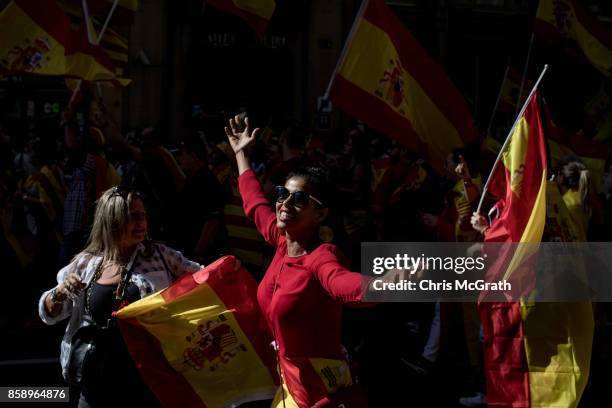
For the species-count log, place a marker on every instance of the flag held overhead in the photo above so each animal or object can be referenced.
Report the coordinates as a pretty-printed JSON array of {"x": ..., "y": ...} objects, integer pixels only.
[{"x": 386, "y": 79}]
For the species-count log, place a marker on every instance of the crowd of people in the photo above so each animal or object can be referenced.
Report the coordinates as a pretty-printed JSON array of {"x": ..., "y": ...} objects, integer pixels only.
[{"x": 98, "y": 206}]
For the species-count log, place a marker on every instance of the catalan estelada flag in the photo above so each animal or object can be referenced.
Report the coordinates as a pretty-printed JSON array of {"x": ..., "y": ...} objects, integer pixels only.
[
  {"x": 203, "y": 342},
  {"x": 536, "y": 354},
  {"x": 36, "y": 38},
  {"x": 386, "y": 79},
  {"x": 256, "y": 13},
  {"x": 569, "y": 22}
]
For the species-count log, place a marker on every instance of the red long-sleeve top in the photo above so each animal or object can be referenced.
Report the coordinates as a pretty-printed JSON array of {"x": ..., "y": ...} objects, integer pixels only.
[{"x": 301, "y": 298}]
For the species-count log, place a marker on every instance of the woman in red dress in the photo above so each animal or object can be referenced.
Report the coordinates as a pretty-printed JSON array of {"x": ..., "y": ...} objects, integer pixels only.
[{"x": 302, "y": 292}]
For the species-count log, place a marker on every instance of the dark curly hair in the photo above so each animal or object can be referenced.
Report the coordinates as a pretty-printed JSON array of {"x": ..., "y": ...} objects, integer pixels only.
[{"x": 317, "y": 180}]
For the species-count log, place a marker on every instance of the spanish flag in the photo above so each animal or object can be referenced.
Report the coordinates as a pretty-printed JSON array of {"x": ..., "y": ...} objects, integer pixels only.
[
  {"x": 37, "y": 38},
  {"x": 520, "y": 178},
  {"x": 569, "y": 22},
  {"x": 388, "y": 81},
  {"x": 203, "y": 342},
  {"x": 256, "y": 13},
  {"x": 113, "y": 44},
  {"x": 536, "y": 354}
]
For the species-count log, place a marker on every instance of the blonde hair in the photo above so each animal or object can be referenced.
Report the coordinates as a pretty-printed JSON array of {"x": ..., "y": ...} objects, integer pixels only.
[
  {"x": 110, "y": 223},
  {"x": 576, "y": 176}
]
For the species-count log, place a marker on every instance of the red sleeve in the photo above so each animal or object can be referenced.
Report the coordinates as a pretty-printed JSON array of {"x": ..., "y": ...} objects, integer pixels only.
[
  {"x": 341, "y": 283},
  {"x": 257, "y": 207}
]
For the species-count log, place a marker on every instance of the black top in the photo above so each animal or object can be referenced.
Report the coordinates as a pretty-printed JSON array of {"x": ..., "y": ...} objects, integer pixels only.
[
  {"x": 102, "y": 302},
  {"x": 118, "y": 371}
]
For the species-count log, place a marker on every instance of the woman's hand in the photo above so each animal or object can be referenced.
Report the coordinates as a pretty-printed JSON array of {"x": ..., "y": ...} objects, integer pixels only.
[
  {"x": 239, "y": 133},
  {"x": 479, "y": 223},
  {"x": 72, "y": 286},
  {"x": 462, "y": 169}
]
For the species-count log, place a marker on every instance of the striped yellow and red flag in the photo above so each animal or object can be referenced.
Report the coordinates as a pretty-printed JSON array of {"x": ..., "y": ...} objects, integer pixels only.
[
  {"x": 536, "y": 354},
  {"x": 203, "y": 342},
  {"x": 37, "y": 38},
  {"x": 569, "y": 22},
  {"x": 256, "y": 13},
  {"x": 113, "y": 44},
  {"x": 520, "y": 178},
  {"x": 388, "y": 81}
]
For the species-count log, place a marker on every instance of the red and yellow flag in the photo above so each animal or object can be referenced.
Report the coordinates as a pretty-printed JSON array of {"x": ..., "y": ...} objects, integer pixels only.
[
  {"x": 388, "y": 81},
  {"x": 203, "y": 342},
  {"x": 256, "y": 13},
  {"x": 536, "y": 354},
  {"x": 568, "y": 21},
  {"x": 519, "y": 182},
  {"x": 37, "y": 38},
  {"x": 113, "y": 44},
  {"x": 520, "y": 179}
]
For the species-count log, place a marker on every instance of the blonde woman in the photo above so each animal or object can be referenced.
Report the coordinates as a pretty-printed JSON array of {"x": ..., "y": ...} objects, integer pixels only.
[
  {"x": 574, "y": 181},
  {"x": 118, "y": 263}
]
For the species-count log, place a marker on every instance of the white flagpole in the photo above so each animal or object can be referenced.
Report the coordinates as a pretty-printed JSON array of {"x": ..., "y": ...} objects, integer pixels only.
[
  {"x": 86, "y": 18},
  {"x": 349, "y": 39},
  {"x": 90, "y": 36},
  {"x": 105, "y": 26},
  {"x": 484, "y": 190}
]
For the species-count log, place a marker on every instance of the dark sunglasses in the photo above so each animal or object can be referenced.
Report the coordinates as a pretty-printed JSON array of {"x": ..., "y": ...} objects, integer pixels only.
[
  {"x": 300, "y": 198},
  {"x": 124, "y": 192}
]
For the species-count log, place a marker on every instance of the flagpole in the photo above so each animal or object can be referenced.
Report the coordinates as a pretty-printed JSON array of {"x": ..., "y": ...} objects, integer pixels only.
[
  {"x": 501, "y": 151},
  {"x": 107, "y": 21},
  {"x": 99, "y": 40},
  {"x": 518, "y": 101},
  {"x": 86, "y": 17},
  {"x": 349, "y": 39},
  {"x": 501, "y": 90},
  {"x": 89, "y": 27}
]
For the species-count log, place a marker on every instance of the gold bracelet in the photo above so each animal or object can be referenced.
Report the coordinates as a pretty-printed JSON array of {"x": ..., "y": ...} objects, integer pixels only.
[{"x": 54, "y": 297}]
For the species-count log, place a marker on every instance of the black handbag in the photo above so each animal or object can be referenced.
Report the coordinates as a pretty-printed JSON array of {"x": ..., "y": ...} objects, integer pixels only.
[
  {"x": 89, "y": 351},
  {"x": 91, "y": 345}
]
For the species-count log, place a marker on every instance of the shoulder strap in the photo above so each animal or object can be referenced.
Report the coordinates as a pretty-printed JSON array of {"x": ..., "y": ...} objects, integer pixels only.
[{"x": 88, "y": 289}]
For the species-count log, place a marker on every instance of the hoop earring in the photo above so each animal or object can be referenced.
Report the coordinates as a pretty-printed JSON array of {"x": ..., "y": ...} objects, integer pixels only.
[{"x": 326, "y": 234}]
